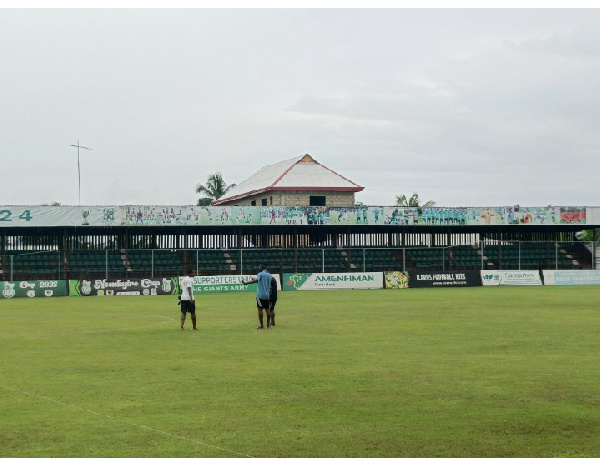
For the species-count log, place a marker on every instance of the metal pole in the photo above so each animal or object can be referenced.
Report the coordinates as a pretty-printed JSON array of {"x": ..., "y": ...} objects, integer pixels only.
[
  {"x": 241, "y": 261},
  {"x": 364, "y": 261},
  {"x": 443, "y": 259},
  {"x": 11, "y": 267},
  {"x": 106, "y": 262},
  {"x": 152, "y": 262},
  {"x": 481, "y": 245},
  {"x": 79, "y": 167}
]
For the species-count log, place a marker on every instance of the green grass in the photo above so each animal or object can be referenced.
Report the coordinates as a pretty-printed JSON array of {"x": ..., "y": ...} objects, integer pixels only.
[{"x": 467, "y": 372}]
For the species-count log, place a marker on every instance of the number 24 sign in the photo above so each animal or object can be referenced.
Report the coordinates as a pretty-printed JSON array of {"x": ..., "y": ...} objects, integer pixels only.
[{"x": 7, "y": 216}]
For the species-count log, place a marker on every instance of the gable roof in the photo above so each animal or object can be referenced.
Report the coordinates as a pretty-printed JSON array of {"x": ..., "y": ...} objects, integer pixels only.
[{"x": 296, "y": 174}]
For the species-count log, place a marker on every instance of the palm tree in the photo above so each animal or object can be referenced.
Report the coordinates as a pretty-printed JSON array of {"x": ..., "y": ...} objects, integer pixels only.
[
  {"x": 413, "y": 201},
  {"x": 214, "y": 189},
  {"x": 591, "y": 235}
]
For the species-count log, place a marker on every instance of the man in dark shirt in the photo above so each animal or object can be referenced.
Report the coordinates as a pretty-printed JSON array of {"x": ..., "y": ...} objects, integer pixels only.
[{"x": 272, "y": 301}]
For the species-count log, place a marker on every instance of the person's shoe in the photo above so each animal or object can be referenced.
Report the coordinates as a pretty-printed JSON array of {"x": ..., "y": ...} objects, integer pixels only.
[
  {"x": 194, "y": 328},
  {"x": 261, "y": 328}
]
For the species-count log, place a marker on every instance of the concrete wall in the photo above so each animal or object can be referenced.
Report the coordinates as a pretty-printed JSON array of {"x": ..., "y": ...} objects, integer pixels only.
[{"x": 297, "y": 198}]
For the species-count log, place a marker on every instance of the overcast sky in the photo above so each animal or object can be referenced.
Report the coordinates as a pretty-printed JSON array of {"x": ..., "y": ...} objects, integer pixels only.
[{"x": 466, "y": 107}]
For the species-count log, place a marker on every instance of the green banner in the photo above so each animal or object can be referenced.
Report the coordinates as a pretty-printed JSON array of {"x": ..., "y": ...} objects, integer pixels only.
[
  {"x": 31, "y": 289},
  {"x": 216, "y": 284},
  {"x": 138, "y": 286},
  {"x": 173, "y": 216}
]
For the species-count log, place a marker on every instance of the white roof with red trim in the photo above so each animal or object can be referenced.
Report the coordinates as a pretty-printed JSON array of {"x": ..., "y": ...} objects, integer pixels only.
[{"x": 296, "y": 174}]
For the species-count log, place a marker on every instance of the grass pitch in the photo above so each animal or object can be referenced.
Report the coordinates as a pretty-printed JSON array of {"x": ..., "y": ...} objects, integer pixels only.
[{"x": 455, "y": 372}]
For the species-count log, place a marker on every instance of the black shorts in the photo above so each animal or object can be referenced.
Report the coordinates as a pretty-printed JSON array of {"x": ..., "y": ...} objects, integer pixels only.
[
  {"x": 188, "y": 306},
  {"x": 262, "y": 303},
  {"x": 272, "y": 302}
]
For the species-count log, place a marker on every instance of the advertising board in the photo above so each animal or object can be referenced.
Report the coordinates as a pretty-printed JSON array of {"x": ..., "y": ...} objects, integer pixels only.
[
  {"x": 510, "y": 278},
  {"x": 443, "y": 278},
  {"x": 31, "y": 289},
  {"x": 330, "y": 281},
  {"x": 572, "y": 277},
  {"x": 223, "y": 284},
  {"x": 141, "y": 286}
]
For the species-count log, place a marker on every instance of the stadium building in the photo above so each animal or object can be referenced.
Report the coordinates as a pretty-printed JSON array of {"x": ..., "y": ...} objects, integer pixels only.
[
  {"x": 296, "y": 215},
  {"x": 295, "y": 182}
]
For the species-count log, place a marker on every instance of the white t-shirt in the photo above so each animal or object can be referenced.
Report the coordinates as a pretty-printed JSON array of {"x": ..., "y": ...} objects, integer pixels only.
[{"x": 187, "y": 282}]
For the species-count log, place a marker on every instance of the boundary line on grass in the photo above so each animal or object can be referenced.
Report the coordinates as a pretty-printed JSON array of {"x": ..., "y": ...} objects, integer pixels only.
[{"x": 126, "y": 422}]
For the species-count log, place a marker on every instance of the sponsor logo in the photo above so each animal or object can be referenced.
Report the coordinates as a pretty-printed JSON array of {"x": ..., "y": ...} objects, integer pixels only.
[
  {"x": 9, "y": 290},
  {"x": 345, "y": 278},
  {"x": 86, "y": 287},
  {"x": 103, "y": 284}
]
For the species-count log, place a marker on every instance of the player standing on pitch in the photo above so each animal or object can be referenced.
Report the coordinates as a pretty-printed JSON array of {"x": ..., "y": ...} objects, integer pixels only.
[
  {"x": 263, "y": 289},
  {"x": 188, "y": 302}
]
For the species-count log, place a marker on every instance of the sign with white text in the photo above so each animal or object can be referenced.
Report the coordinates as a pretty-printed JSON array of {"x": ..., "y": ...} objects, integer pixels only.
[{"x": 510, "y": 278}]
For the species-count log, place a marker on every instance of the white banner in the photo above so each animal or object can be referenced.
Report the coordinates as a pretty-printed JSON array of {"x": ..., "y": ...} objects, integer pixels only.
[
  {"x": 324, "y": 281},
  {"x": 510, "y": 278},
  {"x": 572, "y": 278}
]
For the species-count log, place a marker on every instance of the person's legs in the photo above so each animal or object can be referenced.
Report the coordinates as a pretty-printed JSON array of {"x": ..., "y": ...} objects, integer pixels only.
[
  {"x": 272, "y": 303},
  {"x": 272, "y": 312},
  {"x": 182, "y": 320},
  {"x": 192, "y": 310},
  {"x": 260, "y": 317}
]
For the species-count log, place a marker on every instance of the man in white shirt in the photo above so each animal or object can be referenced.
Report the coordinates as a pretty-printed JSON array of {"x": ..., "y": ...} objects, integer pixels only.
[{"x": 188, "y": 302}]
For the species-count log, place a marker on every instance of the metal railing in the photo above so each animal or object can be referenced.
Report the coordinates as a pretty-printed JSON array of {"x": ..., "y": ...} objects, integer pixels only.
[{"x": 79, "y": 264}]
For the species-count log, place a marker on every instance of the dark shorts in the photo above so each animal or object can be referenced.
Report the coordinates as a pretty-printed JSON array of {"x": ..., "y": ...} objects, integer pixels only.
[
  {"x": 272, "y": 303},
  {"x": 262, "y": 303},
  {"x": 188, "y": 306}
]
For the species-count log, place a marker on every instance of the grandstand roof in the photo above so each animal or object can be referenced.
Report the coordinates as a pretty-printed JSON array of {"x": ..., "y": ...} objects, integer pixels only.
[{"x": 296, "y": 174}]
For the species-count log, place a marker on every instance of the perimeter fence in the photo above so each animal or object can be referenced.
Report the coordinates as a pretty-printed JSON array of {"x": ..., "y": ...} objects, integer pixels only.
[{"x": 79, "y": 264}]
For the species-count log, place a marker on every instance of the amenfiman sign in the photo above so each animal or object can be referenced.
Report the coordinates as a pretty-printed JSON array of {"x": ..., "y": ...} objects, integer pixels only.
[{"x": 324, "y": 281}]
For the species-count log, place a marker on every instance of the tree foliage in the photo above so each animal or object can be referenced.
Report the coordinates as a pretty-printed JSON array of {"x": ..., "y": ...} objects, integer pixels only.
[
  {"x": 589, "y": 235},
  {"x": 412, "y": 201},
  {"x": 214, "y": 188}
]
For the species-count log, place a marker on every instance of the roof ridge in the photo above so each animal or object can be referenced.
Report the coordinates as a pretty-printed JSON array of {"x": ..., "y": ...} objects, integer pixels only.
[{"x": 277, "y": 180}]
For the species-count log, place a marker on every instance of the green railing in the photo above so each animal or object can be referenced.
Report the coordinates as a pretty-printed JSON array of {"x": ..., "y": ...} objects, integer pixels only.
[{"x": 77, "y": 264}]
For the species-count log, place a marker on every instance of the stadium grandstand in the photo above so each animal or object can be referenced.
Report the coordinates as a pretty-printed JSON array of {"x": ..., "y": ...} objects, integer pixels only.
[{"x": 297, "y": 216}]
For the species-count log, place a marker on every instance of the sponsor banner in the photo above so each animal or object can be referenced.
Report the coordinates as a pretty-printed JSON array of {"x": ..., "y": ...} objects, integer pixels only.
[
  {"x": 572, "y": 278},
  {"x": 425, "y": 215},
  {"x": 396, "y": 280},
  {"x": 31, "y": 289},
  {"x": 324, "y": 281},
  {"x": 145, "y": 286},
  {"x": 510, "y": 278},
  {"x": 103, "y": 216},
  {"x": 216, "y": 284},
  {"x": 356, "y": 215},
  {"x": 443, "y": 278}
]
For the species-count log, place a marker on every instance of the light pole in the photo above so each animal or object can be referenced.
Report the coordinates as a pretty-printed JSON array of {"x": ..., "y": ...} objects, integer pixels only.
[{"x": 78, "y": 166}]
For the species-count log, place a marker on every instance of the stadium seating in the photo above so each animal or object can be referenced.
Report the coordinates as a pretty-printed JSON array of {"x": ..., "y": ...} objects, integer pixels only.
[{"x": 134, "y": 263}]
